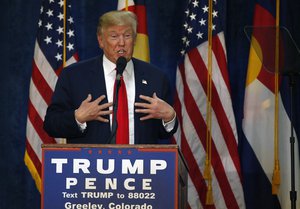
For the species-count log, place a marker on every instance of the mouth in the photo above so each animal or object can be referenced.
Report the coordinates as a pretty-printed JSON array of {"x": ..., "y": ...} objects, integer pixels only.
[{"x": 121, "y": 52}]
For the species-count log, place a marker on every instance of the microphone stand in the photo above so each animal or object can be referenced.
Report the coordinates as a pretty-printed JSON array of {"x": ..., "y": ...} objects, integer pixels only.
[
  {"x": 112, "y": 139},
  {"x": 293, "y": 192}
]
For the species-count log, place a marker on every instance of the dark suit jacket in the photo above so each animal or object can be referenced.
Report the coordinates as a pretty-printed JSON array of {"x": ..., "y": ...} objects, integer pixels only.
[{"x": 82, "y": 78}]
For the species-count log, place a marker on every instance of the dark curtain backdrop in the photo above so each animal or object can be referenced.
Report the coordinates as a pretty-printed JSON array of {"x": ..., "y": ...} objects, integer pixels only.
[{"x": 18, "y": 29}]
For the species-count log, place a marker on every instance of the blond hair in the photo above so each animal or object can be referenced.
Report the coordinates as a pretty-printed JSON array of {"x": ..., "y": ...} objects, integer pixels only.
[{"x": 117, "y": 17}]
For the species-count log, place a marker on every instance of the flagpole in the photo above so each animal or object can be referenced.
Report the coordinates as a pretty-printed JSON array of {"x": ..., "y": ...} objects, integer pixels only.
[
  {"x": 207, "y": 173},
  {"x": 64, "y": 140},
  {"x": 276, "y": 172},
  {"x": 65, "y": 30}
]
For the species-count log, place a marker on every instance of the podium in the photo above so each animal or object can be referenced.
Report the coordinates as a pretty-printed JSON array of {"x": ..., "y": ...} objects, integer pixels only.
[{"x": 86, "y": 176}]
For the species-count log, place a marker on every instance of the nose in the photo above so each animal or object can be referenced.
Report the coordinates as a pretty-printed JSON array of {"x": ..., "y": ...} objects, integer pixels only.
[{"x": 121, "y": 40}]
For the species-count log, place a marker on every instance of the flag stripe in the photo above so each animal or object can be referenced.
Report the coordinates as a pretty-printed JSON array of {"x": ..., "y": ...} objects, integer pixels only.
[
  {"x": 220, "y": 55},
  {"x": 267, "y": 79},
  {"x": 44, "y": 67},
  {"x": 34, "y": 158},
  {"x": 37, "y": 100},
  {"x": 43, "y": 87},
  {"x": 262, "y": 16},
  {"x": 34, "y": 140},
  {"x": 38, "y": 125},
  {"x": 140, "y": 11}
]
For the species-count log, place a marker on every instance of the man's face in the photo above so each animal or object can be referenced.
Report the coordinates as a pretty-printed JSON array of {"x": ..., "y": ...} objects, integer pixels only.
[{"x": 117, "y": 41}]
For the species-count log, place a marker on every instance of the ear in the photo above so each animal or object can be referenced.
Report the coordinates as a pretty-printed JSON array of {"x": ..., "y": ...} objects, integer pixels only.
[{"x": 100, "y": 41}]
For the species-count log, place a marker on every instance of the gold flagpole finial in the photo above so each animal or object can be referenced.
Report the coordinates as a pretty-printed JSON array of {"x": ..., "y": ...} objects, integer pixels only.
[{"x": 126, "y": 5}]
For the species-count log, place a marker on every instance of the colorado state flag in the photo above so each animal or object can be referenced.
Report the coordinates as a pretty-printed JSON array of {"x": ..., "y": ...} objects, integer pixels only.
[
  {"x": 141, "y": 48},
  {"x": 260, "y": 151}
]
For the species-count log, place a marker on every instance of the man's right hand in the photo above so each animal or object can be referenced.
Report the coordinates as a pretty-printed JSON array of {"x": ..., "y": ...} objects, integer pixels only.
[{"x": 91, "y": 110}]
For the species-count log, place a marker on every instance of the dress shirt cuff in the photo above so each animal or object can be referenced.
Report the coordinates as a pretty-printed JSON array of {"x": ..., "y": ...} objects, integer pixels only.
[
  {"x": 169, "y": 125},
  {"x": 81, "y": 126}
]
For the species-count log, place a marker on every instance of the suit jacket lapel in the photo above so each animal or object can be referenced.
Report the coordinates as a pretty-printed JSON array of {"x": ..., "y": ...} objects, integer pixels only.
[
  {"x": 139, "y": 87},
  {"x": 142, "y": 87},
  {"x": 97, "y": 80},
  {"x": 98, "y": 86}
]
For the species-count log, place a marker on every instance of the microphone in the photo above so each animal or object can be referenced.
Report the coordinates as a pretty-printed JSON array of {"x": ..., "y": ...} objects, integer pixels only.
[{"x": 120, "y": 65}]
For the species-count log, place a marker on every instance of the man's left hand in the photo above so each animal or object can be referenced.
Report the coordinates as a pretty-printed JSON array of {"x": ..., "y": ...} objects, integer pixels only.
[{"x": 154, "y": 107}]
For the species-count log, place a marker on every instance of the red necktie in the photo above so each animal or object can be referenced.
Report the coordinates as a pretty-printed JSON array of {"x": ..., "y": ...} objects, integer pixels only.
[{"x": 122, "y": 115}]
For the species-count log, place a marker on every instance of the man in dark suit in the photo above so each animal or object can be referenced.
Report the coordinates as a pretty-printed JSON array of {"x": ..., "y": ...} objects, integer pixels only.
[{"x": 82, "y": 103}]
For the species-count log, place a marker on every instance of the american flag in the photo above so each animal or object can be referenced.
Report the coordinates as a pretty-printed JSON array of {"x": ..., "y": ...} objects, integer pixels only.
[
  {"x": 191, "y": 107},
  {"x": 48, "y": 62}
]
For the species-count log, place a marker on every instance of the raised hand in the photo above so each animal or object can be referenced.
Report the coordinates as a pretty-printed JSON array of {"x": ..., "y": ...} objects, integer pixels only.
[
  {"x": 154, "y": 107},
  {"x": 92, "y": 110}
]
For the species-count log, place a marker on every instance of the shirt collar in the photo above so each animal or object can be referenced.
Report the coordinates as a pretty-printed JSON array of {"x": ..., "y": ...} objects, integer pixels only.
[{"x": 109, "y": 67}]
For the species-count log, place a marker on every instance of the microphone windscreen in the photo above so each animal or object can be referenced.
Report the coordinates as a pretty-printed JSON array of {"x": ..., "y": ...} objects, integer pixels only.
[{"x": 121, "y": 64}]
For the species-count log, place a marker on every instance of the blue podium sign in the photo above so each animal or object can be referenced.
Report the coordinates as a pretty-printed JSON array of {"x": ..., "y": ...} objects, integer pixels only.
[{"x": 109, "y": 177}]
